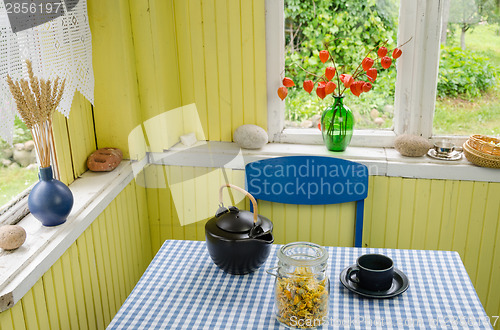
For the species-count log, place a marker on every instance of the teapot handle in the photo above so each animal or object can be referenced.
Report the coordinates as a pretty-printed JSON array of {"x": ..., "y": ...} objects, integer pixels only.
[{"x": 252, "y": 199}]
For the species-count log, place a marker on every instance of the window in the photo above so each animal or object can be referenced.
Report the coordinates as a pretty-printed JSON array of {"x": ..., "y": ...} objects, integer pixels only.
[
  {"x": 468, "y": 91},
  {"x": 416, "y": 82},
  {"x": 18, "y": 168},
  {"x": 351, "y": 30}
]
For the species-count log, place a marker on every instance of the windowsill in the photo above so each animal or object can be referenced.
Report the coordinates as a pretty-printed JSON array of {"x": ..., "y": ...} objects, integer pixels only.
[
  {"x": 380, "y": 161},
  {"x": 20, "y": 269},
  {"x": 373, "y": 138},
  {"x": 366, "y": 138}
]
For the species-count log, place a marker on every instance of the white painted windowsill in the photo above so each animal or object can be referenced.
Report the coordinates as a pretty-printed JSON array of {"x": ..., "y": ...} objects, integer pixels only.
[
  {"x": 20, "y": 269},
  {"x": 380, "y": 161}
]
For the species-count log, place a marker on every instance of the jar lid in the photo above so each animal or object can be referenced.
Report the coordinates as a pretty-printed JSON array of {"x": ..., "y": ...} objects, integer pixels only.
[{"x": 302, "y": 254}]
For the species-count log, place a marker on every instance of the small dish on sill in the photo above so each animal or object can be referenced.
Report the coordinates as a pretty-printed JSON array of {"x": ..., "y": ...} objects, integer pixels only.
[{"x": 452, "y": 156}]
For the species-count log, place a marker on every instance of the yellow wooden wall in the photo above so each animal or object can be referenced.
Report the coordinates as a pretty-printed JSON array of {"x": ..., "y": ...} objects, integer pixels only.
[
  {"x": 153, "y": 56},
  {"x": 157, "y": 55},
  {"x": 85, "y": 288},
  {"x": 116, "y": 96},
  {"x": 462, "y": 216},
  {"x": 74, "y": 138}
]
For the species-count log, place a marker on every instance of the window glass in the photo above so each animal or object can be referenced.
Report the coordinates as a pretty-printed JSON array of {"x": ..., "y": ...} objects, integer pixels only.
[
  {"x": 18, "y": 169},
  {"x": 351, "y": 28},
  {"x": 468, "y": 92}
]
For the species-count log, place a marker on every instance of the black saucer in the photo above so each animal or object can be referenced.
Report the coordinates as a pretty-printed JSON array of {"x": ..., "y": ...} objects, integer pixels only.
[{"x": 400, "y": 284}]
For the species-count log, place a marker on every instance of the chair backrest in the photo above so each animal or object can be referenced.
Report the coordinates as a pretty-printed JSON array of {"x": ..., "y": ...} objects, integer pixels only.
[{"x": 310, "y": 180}]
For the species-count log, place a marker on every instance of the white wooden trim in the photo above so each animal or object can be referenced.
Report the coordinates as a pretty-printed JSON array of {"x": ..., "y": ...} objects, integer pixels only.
[
  {"x": 415, "y": 90},
  {"x": 380, "y": 161},
  {"x": 12, "y": 212},
  {"x": 23, "y": 267},
  {"x": 360, "y": 138},
  {"x": 416, "y": 82},
  {"x": 275, "y": 66}
]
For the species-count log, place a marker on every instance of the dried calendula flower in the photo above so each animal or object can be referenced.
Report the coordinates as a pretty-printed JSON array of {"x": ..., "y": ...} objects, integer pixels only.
[{"x": 302, "y": 299}]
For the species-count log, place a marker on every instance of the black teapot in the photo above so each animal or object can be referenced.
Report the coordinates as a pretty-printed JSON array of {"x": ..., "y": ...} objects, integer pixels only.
[{"x": 238, "y": 241}]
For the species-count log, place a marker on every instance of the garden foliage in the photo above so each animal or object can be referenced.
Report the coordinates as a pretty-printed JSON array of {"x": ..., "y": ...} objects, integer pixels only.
[
  {"x": 351, "y": 29},
  {"x": 464, "y": 73}
]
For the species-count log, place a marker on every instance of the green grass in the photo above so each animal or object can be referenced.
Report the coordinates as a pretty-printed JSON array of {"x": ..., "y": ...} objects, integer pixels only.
[
  {"x": 482, "y": 115},
  {"x": 14, "y": 181}
]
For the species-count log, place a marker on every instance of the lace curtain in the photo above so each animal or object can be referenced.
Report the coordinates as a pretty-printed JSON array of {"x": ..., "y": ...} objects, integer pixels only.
[{"x": 61, "y": 47}]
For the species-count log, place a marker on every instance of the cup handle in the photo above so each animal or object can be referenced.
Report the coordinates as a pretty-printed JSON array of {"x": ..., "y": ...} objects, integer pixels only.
[{"x": 353, "y": 271}]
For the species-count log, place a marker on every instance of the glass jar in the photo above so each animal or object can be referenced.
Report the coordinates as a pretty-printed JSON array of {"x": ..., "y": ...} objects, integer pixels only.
[{"x": 302, "y": 287}]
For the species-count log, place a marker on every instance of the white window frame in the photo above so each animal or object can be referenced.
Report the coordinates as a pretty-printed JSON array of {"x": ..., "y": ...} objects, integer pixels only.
[{"x": 416, "y": 82}]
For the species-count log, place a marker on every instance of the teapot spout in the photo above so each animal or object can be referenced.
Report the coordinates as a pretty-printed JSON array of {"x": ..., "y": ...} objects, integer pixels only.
[
  {"x": 258, "y": 233},
  {"x": 267, "y": 238}
]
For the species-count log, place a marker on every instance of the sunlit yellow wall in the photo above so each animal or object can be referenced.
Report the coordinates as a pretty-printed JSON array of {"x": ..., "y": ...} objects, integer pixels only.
[
  {"x": 462, "y": 216},
  {"x": 74, "y": 138},
  {"x": 199, "y": 192},
  {"x": 85, "y": 288},
  {"x": 154, "y": 56}
]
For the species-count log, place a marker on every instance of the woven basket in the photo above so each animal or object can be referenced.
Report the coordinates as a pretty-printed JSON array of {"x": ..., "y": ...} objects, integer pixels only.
[
  {"x": 479, "y": 158},
  {"x": 486, "y": 144}
]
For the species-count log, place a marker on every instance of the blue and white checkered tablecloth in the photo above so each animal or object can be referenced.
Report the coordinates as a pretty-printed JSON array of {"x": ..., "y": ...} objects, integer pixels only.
[{"x": 182, "y": 288}]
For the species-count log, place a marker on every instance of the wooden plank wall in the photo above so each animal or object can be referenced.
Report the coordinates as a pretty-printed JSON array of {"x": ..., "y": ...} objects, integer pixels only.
[
  {"x": 400, "y": 213},
  {"x": 85, "y": 288},
  {"x": 116, "y": 97},
  {"x": 153, "y": 56},
  {"x": 462, "y": 216},
  {"x": 74, "y": 138},
  {"x": 157, "y": 55},
  {"x": 223, "y": 41}
]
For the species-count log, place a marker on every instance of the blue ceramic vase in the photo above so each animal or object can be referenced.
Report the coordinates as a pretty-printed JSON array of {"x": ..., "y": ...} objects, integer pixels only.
[{"x": 50, "y": 200}]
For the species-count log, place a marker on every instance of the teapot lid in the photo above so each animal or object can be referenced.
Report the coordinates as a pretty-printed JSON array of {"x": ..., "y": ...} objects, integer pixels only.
[{"x": 236, "y": 221}]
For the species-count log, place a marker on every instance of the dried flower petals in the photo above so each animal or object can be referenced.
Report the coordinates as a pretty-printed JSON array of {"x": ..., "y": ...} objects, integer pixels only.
[{"x": 302, "y": 297}]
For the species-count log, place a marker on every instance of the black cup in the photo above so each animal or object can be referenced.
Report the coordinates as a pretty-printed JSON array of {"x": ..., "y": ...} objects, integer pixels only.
[{"x": 374, "y": 272}]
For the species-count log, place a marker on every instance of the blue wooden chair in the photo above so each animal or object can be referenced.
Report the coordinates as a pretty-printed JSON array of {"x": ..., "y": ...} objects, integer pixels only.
[{"x": 310, "y": 180}]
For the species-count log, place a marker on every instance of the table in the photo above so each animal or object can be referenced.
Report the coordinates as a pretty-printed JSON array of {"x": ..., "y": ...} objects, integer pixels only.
[{"x": 182, "y": 288}]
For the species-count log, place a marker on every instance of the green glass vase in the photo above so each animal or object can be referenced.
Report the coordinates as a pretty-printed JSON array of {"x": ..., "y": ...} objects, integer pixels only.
[{"x": 337, "y": 125}]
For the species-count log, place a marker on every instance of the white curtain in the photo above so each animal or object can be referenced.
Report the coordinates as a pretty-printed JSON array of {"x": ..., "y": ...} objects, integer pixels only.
[{"x": 61, "y": 47}]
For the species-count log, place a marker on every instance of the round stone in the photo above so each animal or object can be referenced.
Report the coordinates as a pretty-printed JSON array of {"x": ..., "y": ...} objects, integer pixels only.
[
  {"x": 250, "y": 137},
  {"x": 412, "y": 145},
  {"x": 12, "y": 237}
]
